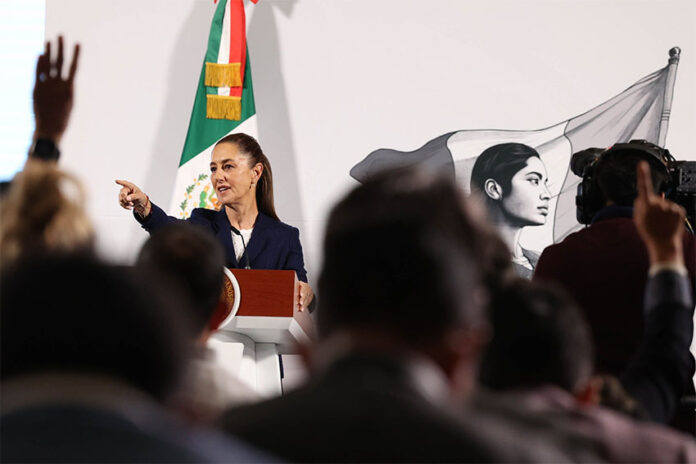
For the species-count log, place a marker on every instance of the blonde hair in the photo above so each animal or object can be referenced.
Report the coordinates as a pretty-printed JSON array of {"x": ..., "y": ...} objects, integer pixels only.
[{"x": 43, "y": 211}]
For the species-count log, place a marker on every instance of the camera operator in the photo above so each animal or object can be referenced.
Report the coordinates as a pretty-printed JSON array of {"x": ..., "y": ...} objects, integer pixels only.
[{"x": 604, "y": 266}]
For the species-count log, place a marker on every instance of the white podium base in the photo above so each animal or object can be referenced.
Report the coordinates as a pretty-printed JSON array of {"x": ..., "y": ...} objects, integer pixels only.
[{"x": 256, "y": 364}]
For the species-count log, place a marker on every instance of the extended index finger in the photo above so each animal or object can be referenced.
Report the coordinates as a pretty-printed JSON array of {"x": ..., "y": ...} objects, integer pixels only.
[
  {"x": 644, "y": 182},
  {"x": 125, "y": 183}
]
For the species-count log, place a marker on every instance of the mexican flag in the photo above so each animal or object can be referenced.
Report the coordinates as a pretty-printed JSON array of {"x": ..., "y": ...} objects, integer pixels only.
[
  {"x": 224, "y": 104},
  {"x": 639, "y": 112}
]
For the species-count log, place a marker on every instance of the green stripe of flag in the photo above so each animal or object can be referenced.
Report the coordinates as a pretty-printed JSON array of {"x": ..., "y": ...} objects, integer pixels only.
[{"x": 203, "y": 132}]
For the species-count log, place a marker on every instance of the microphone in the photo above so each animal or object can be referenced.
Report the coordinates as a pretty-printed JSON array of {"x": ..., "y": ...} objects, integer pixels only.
[{"x": 244, "y": 253}]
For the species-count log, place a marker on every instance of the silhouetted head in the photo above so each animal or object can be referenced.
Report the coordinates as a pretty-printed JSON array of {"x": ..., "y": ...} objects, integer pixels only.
[
  {"x": 540, "y": 338},
  {"x": 72, "y": 314},
  {"x": 404, "y": 254},
  {"x": 43, "y": 211},
  {"x": 190, "y": 259},
  {"x": 512, "y": 179},
  {"x": 615, "y": 172}
]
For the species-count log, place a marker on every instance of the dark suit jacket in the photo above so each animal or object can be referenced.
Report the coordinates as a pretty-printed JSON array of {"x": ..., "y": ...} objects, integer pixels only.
[
  {"x": 663, "y": 367},
  {"x": 273, "y": 244},
  {"x": 81, "y": 433},
  {"x": 365, "y": 408},
  {"x": 604, "y": 267}
]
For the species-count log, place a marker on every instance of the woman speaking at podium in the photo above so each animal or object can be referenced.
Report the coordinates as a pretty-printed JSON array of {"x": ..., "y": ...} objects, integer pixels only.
[{"x": 247, "y": 225}]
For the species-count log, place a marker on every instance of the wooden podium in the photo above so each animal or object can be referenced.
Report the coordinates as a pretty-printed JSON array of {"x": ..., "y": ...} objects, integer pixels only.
[{"x": 257, "y": 320}]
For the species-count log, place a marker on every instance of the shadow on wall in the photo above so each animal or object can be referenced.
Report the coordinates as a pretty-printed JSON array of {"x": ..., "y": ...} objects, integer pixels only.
[
  {"x": 275, "y": 133},
  {"x": 182, "y": 80}
]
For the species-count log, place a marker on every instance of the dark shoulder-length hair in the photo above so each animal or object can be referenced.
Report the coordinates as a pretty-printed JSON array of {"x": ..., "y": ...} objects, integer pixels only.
[
  {"x": 264, "y": 188},
  {"x": 500, "y": 163}
]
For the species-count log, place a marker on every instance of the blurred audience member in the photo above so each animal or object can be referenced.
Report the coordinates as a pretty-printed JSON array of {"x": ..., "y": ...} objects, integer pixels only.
[
  {"x": 43, "y": 211},
  {"x": 540, "y": 338},
  {"x": 191, "y": 261},
  {"x": 540, "y": 364},
  {"x": 43, "y": 208},
  {"x": 401, "y": 325},
  {"x": 604, "y": 267},
  {"x": 88, "y": 357},
  {"x": 541, "y": 354}
]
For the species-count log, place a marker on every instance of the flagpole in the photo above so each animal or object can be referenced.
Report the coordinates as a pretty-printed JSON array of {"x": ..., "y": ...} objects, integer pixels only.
[{"x": 669, "y": 93}]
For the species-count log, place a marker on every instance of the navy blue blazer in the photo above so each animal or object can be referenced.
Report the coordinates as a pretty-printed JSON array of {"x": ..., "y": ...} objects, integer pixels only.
[{"x": 273, "y": 244}]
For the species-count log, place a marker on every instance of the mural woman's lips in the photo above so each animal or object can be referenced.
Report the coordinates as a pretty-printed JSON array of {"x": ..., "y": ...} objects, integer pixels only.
[{"x": 544, "y": 210}]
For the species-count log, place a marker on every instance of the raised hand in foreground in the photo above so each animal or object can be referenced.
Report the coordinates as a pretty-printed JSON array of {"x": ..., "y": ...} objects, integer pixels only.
[
  {"x": 53, "y": 95},
  {"x": 660, "y": 222}
]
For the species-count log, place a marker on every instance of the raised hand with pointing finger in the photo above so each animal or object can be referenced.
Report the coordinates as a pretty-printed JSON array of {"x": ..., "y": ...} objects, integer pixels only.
[
  {"x": 131, "y": 197},
  {"x": 660, "y": 222}
]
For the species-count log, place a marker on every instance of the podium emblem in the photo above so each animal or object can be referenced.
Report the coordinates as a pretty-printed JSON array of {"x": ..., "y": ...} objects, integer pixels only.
[{"x": 228, "y": 305}]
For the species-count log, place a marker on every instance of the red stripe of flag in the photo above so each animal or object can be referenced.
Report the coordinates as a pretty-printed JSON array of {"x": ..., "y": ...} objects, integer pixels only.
[{"x": 237, "y": 40}]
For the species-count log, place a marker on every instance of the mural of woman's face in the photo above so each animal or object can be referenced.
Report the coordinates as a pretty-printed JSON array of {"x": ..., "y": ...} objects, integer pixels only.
[{"x": 527, "y": 202}]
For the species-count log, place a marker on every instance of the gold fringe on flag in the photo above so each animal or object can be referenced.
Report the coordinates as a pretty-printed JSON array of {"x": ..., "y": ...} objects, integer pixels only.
[
  {"x": 223, "y": 107},
  {"x": 223, "y": 75}
]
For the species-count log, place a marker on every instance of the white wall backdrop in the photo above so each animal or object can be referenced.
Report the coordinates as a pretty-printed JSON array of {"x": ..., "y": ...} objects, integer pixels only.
[
  {"x": 336, "y": 79},
  {"x": 21, "y": 41}
]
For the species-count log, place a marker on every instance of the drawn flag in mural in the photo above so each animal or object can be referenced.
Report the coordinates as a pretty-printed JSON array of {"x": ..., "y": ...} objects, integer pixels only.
[
  {"x": 224, "y": 104},
  {"x": 639, "y": 112}
]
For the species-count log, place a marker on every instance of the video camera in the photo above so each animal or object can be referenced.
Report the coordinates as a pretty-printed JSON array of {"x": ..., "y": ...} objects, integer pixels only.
[{"x": 681, "y": 187}]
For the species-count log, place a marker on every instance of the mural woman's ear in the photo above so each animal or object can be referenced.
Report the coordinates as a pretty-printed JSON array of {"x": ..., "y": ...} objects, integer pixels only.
[{"x": 493, "y": 189}]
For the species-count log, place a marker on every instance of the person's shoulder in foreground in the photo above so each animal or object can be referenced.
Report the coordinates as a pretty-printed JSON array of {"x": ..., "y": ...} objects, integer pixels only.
[
  {"x": 64, "y": 403},
  {"x": 82, "y": 430},
  {"x": 368, "y": 408}
]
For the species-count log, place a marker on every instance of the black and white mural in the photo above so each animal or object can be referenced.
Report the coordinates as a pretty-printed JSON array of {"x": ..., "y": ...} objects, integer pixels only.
[{"x": 523, "y": 177}]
